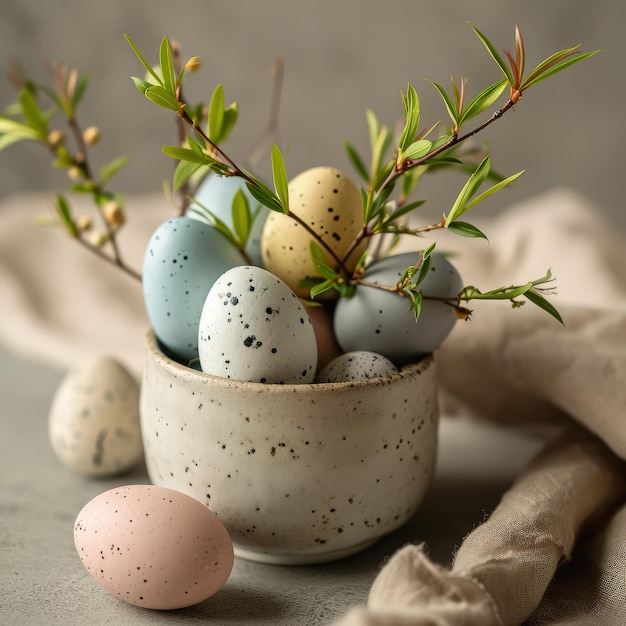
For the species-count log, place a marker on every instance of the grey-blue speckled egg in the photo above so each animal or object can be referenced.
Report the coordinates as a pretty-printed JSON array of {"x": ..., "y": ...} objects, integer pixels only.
[
  {"x": 254, "y": 328},
  {"x": 357, "y": 365},
  {"x": 379, "y": 321},
  {"x": 216, "y": 193},
  {"x": 183, "y": 259}
]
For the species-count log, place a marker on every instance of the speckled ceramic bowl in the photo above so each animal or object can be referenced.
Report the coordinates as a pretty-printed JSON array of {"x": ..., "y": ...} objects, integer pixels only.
[{"x": 297, "y": 473}]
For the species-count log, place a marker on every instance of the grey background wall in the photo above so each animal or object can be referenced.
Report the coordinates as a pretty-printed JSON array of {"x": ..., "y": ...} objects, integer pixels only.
[{"x": 341, "y": 57}]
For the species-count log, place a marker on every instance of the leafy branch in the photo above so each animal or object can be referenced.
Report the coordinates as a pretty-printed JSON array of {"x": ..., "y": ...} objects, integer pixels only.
[
  {"x": 29, "y": 119},
  {"x": 201, "y": 150}
]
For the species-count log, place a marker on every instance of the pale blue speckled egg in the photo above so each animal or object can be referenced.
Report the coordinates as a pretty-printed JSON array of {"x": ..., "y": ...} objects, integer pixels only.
[
  {"x": 216, "y": 194},
  {"x": 254, "y": 328},
  {"x": 183, "y": 259}
]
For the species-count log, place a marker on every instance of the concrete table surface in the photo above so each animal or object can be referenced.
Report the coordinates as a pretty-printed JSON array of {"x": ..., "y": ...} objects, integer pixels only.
[{"x": 42, "y": 580}]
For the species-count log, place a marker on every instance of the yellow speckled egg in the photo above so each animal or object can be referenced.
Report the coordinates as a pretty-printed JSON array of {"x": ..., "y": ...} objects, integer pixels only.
[
  {"x": 153, "y": 547},
  {"x": 330, "y": 203}
]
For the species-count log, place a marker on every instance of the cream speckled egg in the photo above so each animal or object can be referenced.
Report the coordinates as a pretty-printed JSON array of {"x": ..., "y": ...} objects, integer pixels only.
[
  {"x": 153, "y": 547},
  {"x": 93, "y": 423},
  {"x": 253, "y": 328},
  {"x": 357, "y": 365},
  {"x": 329, "y": 202}
]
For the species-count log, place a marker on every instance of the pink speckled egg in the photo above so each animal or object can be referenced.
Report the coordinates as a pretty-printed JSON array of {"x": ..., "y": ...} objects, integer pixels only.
[{"x": 153, "y": 547}]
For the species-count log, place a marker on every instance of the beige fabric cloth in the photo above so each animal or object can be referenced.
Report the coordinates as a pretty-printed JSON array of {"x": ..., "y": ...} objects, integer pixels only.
[{"x": 554, "y": 550}]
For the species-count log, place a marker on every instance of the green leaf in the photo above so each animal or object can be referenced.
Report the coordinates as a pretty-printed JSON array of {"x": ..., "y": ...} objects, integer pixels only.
[
  {"x": 215, "y": 222},
  {"x": 110, "y": 169},
  {"x": 483, "y": 100},
  {"x": 143, "y": 61},
  {"x": 231, "y": 115},
  {"x": 372, "y": 126},
  {"x": 186, "y": 154},
  {"x": 379, "y": 203},
  {"x": 216, "y": 114},
  {"x": 161, "y": 96},
  {"x": 320, "y": 288},
  {"x": 9, "y": 139},
  {"x": 86, "y": 186},
  {"x": 63, "y": 209},
  {"x": 327, "y": 272},
  {"x": 417, "y": 149},
  {"x": 466, "y": 230},
  {"x": 317, "y": 255},
  {"x": 536, "y": 298},
  {"x": 469, "y": 189},
  {"x": 240, "y": 211},
  {"x": 356, "y": 161},
  {"x": 506, "y": 70},
  {"x": 167, "y": 67},
  {"x": 412, "y": 114},
  {"x": 141, "y": 84},
  {"x": 32, "y": 114},
  {"x": 416, "y": 302},
  {"x": 263, "y": 195},
  {"x": 183, "y": 172},
  {"x": 452, "y": 112},
  {"x": 280, "y": 177},
  {"x": 492, "y": 190},
  {"x": 535, "y": 77}
]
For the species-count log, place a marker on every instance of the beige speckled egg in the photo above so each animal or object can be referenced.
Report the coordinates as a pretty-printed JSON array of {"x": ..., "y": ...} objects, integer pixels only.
[
  {"x": 93, "y": 423},
  {"x": 153, "y": 547},
  {"x": 329, "y": 202}
]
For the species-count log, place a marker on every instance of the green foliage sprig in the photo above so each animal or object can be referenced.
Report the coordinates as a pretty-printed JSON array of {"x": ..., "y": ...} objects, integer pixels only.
[
  {"x": 34, "y": 118},
  {"x": 414, "y": 154}
]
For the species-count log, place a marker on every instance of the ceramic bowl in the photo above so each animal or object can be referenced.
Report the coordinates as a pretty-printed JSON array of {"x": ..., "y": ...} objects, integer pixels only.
[{"x": 297, "y": 473}]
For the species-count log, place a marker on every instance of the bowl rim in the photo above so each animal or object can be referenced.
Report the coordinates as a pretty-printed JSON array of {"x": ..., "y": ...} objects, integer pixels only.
[{"x": 156, "y": 353}]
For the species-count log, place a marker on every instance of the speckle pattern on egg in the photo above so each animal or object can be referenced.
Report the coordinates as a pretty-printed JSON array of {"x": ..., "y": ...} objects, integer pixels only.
[
  {"x": 357, "y": 365},
  {"x": 329, "y": 202},
  {"x": 380, "y": 321},
  {"x": 216, "y": 194},
  {"x": 183, "y": 258},
  {"x": 93, "y": 423},
  {"x": 153, "y": 547},
  {"x": 254, "y": 328}
]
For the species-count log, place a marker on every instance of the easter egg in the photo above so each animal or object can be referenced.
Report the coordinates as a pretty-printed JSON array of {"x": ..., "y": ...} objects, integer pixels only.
[
  {"x": 330, "y": 204},
  {"x": 216, "y": 193},
  {"x": 254, "y": 328},
  {"x": 380, "y": 321},
  {"x": 93, "y": 423},
  {"x": 183, "y": 259},
  {"x": 357, "y": 365},
  {"x": 153, "y": 547}
]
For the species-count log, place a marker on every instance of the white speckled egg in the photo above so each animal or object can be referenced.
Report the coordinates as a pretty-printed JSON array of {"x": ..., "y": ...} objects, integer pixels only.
[
  {"x": 182, "y": 260},
  {"x": 93, "y": 422},
  {"x": 254, "y": 328},
  {"x": 216, "y": 194},
  {"x": 357, "y": 365},
  {"x": 330, "y": 203},
  {"x": 153, "y": 547}
]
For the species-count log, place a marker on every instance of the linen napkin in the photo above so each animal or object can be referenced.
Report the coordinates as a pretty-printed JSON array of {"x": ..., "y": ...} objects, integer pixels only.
[{"x": 553, "y": 551}]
